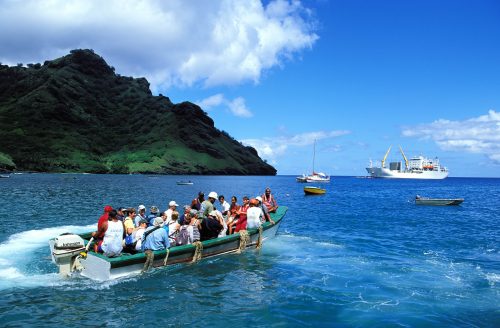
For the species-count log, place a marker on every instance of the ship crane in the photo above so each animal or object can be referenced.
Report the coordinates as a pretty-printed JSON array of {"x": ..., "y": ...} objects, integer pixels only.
[
  {"x": 385, "y": 157},
  {"x": 406, "y": 159}
]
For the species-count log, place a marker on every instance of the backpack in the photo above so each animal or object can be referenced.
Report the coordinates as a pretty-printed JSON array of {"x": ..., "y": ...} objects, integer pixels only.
[
  {"x": 129, "y": 240},
  {"x": 183, "y": 236}
]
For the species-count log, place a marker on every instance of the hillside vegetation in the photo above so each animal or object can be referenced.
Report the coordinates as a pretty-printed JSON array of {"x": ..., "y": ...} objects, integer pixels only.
[{"x": 74, "y": 114}]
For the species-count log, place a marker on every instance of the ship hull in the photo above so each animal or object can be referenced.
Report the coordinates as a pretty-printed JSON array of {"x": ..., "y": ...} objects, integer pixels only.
[{"x": 378, "y": 172}]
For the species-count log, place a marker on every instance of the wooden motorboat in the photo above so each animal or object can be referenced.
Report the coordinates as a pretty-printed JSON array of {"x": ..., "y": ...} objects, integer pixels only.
[
  {"x": 71, "y": 252},
  {"x": 311, "y": 190}
]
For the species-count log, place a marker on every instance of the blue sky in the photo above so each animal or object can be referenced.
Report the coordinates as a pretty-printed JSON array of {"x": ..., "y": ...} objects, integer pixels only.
[{"x": 357, "y": 76}]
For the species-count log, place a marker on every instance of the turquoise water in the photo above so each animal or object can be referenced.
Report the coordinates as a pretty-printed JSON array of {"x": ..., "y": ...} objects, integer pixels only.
[{"x": 362, "y": 255}]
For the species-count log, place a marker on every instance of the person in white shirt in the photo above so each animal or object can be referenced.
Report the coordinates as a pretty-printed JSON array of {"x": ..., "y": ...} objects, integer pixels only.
[
  {"x": 224, "y": 206},
  {"x": 172, "y": 206},
  {"x": 112, "y": 244},
  {"x": 143, "y": 224},
  {"x": 254, "y": 214}
]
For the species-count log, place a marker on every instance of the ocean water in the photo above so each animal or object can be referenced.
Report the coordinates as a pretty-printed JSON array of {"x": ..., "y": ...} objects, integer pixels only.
[{"x": 362, "y": 255}]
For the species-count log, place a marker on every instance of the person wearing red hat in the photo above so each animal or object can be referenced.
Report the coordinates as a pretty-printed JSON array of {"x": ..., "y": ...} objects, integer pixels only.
[
  {"x": 254, "y": 214},
  {"x": 99, "y": 234}
]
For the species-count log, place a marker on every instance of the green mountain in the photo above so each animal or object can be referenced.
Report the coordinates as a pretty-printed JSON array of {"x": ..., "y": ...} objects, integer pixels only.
[{"x": 74, "y": 114}]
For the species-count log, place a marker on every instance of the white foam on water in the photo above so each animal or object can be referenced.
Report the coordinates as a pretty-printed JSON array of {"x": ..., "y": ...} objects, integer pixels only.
[
  {"x": 493, "y": 278},
  {"x": 21, "y": 248},
  {"x": 307, "y": 239}
]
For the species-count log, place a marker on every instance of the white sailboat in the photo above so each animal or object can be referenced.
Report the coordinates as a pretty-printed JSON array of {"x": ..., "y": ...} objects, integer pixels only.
[{"x": 315, "y": 176}]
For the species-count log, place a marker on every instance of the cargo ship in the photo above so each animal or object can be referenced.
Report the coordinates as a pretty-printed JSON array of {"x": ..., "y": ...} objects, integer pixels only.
[{"x": 418, "y": 167}]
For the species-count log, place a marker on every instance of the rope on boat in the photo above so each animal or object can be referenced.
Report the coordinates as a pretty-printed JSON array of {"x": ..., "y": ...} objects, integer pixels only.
[
  {"x": 259, "y": 240},
  {"x": 149, "y": 260},
  {"x": 166, "y": 257},
  {"x": 244, "y": 240},
  {"x": 198, "y": 251}
]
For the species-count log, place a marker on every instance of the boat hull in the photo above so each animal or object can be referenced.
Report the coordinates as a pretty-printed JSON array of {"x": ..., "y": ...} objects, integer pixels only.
[
  {"x": 318, "y": 180},
  {"x": 380, "y": 172},
  {"x": 439, "y": 201},
  {"x": 99, "y": 267},
  {"x": 301, "y": 179}
]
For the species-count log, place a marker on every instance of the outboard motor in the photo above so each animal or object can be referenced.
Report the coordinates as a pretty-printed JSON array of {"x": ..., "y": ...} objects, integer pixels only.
[{"x": 66, "y": 250}]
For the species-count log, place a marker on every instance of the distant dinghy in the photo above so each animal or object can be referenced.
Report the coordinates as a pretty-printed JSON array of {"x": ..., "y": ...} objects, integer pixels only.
[
  {"x": 184, "y": 183},
  {"x": 438, "y": 201}
]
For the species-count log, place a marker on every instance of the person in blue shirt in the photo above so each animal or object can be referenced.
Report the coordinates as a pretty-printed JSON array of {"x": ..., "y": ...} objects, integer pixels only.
[
  {"x": 155, "y": 238},
  {"x": 152, "y": 215}
]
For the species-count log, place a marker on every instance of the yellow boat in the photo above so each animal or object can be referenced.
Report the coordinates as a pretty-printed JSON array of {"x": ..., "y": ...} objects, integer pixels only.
[{"x": 310, "y": 190}]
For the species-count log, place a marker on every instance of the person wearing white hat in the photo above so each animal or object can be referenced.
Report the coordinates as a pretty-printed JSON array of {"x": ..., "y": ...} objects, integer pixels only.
[
  {"x": 141, "y": 215},
  {"x": 172, "y": 206},
  {"x": 208, "y": 205}
]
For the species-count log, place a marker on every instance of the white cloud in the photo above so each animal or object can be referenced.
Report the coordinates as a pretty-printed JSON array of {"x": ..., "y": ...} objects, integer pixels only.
[
  {"x": 212, "y": 101},
  {"x": 236, "y": 106},
  {"x": 476, "y": 135},
  {"x": 273, "y": 148},
  {"x": 171, "y": 42}
]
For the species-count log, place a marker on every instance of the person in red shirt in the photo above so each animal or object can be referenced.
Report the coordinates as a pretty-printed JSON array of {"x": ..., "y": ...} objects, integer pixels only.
[
  {"x": 99, "y": 234},
  {"x": 242, "y": 215}
]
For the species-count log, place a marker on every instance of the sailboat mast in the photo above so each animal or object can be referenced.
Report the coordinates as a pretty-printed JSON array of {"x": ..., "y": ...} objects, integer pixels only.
[{"x": 314, "y": 155}]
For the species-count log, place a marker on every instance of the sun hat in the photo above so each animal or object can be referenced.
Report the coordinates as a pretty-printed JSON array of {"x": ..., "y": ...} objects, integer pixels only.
[
  {"x": 173, "y": 203},
  {"x": 141, "y": 207},
  {"x": 259, "y": 198},
  {"x": 212, "y": 194},
  {"x": 158, "y": 222},
  {"x": 141, "y": 221},
  {"x": 154, "y": 209}
]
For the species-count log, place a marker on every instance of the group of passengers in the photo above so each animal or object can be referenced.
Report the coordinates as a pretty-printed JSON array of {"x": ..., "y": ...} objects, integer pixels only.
[{"x": 130, "y": 231}]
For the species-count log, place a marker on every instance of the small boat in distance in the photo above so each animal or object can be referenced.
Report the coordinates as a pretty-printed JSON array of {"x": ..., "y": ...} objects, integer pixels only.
[
  {"x": 185, "y": 183},
  {"x": 4, "y": 176},
  {"x": 311, "y": 190},
  {"x": 302, "y": 178},
  {"x": 438, "y": 201}
]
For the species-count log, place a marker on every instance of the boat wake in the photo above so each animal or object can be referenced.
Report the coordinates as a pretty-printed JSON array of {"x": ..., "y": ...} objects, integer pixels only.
[{"x": 25, "y": 258}]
